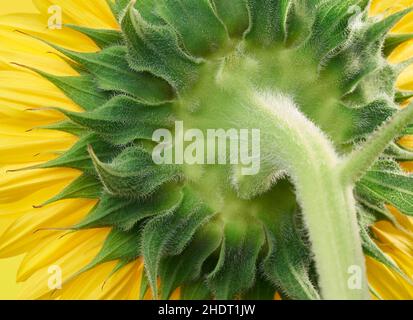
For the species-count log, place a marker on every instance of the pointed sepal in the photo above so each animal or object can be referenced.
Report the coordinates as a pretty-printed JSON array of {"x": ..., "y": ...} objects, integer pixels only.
[
  {"x": 84, "y": 187},
  {"x": 268, "y": 21},
  {"x": 133, "y": 174},
  {"x": 124, "y": 214},
  {"x": 102, "y": 37},
  {"x": 198, "y": 26},
  {"x": 155, "y": 49},
  {"x": 235, "y": 15},
  {"x": 77, "y": 157},
  {"x": 186, "y": 267},
  {"x": 386, "y": 183},
  {"x": 124, "y": 119},
  {"x": 170, "y": 234},
  {"x": 288, "y": 260},
  {"x": 236, "y": 269},
  {"x": 113, "y": 73}
]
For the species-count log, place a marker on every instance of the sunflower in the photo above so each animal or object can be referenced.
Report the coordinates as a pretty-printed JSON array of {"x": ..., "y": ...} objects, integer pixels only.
[{"x": 85, "y": 87}]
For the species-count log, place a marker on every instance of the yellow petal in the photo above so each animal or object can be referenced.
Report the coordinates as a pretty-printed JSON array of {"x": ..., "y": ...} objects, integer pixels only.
[
  {"x": 94, "y": 14},
  {"x": 24, "y": 233},
  {"x": 31, "y": 148},
  {"x": 36, "y": 25},
  {"x": 37, "y": 286},
  {"x": 398, "y": 244},
  {"x": 405, "y": 80},
  {"x": 407, "y": 142},
  {"x": 17, "y": 185},
  {"x": 50, "y": 249},
  {"x": 402, "y": 52},
  {"x": 30, "y": 91},
  {"x": 407, "y": 166},
  {"x": 389, "y": 236},
  {"x": 26, "y": 6},
  {"x": 386, "y": 282},
  {"x": 9, "y": 289},
  {"x": 23, "y": 203},
  {"x": 176, "y": 295},
  {"x": 97, "y": 284}
]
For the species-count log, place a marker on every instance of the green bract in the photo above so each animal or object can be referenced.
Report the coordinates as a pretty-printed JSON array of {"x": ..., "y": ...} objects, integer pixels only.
[{"x": 310, "y": 75}]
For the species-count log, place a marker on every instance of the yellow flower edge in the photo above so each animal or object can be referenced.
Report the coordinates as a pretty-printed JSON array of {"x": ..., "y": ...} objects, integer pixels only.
[{"x": 20, "y": 224}]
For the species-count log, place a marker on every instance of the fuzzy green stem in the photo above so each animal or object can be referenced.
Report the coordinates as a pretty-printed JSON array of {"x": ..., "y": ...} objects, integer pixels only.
[
  {"x": 328, "y": 205},
  {"x": 364, "y": 157},
  {"x": 329, "y": 211}
]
